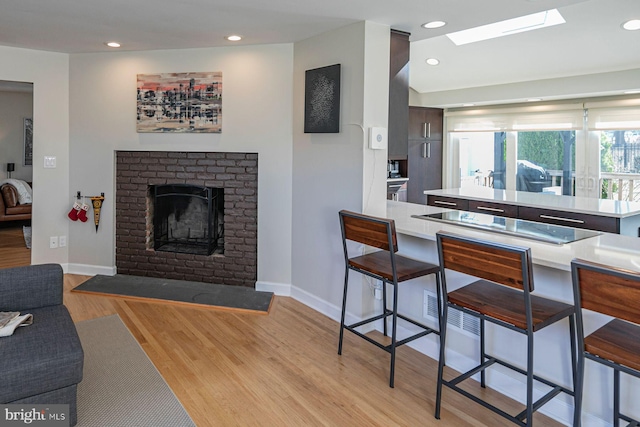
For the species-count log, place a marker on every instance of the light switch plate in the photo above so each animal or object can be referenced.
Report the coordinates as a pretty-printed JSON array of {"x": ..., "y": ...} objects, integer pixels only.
[
  {"x": 377, "y": 138},
  {"x": 49, "y": 162}
]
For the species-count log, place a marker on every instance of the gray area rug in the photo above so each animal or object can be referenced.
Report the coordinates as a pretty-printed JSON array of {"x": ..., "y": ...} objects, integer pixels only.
[
  {"x": 26, "y": 231},
  {"x": 205, "y": 294},
  {"x": 121, "y": 387}
]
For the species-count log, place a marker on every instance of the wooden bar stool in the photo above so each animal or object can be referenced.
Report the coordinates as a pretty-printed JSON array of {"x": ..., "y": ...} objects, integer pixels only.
[
  {"x": 614, "y": 292},
  {"x": 384, "y": 265},
  {"x": 502, "y": 296}
]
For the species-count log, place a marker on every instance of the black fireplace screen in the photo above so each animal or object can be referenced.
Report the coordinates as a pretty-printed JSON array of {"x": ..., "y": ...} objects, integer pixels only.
[{"x": 188, "y": 219}]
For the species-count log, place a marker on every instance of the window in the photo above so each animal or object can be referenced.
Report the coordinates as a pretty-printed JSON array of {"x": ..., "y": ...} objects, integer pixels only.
[
  {"x": 524, "y": 149},
  {"x": 616, "y": 127}
]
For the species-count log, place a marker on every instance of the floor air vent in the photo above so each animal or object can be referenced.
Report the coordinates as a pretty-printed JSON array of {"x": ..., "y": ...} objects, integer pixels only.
[{"x": 462, "y": 321}]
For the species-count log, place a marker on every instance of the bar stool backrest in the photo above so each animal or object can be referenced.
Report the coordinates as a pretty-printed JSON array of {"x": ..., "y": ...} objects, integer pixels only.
[
  {"x": 504, "y": 264},
  {"x": 369, "y": 230},
  {"x": 607, "y": 290}
]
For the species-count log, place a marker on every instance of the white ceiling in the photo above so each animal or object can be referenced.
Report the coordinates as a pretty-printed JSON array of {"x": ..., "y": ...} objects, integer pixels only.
[{"x": 591, "y": 41}]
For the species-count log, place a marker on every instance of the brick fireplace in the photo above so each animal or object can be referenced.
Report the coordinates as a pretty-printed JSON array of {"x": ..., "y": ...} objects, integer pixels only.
[{"x": 236, "y": 174}]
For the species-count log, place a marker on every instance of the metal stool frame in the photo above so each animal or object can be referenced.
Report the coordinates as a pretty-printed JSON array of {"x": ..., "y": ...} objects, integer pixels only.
[
  {"x": 388, "y": 243},
  {"x": 487, "y": 250},
  {"x": 603, "y": 276}
]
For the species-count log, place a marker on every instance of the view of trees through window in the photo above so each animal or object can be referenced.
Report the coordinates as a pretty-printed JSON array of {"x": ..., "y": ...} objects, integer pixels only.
[
  {"x": 546, "y": 148},
  {"x": 545, "y": 160},
  {"x": 620, "y": 164},
  {"x": 620, "y": 151}
]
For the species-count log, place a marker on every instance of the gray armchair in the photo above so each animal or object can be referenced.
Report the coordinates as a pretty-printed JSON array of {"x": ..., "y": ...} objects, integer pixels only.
[{"x": 41, "y": 363}]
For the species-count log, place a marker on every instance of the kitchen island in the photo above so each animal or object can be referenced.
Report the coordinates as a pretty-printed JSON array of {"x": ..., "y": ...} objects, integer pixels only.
[{"x": 552, "y": 279}]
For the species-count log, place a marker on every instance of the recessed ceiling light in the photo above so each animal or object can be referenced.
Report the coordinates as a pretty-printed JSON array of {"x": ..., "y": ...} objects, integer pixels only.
[
  {"x": 521, "y": 24},
  {"x": 432, "y": 61},
  {"x": 534, "y": 99},
  {"x": 234, "y": 38},
  {"x": 632, "y": 25},
  {"x": 113, "y": 44},
  {"x": 468, "y": 105},
  {"x": 434, "y": 24}
]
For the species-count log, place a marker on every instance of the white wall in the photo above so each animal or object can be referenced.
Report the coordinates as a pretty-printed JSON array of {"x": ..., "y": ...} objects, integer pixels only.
[
  {"x": 14, "y": 108},
  {"x": 49, "y": 73},
  {"x": 335, "y": 171},
  {"x": 588, "y": 85},
  {"x": 257, "y": 96}
]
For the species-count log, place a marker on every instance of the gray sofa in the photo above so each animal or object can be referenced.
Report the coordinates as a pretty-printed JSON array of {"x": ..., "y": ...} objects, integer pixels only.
[{"x": 41, "y": 363}]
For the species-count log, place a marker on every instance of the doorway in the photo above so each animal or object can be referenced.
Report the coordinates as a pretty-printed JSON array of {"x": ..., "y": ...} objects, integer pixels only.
[{"x": 16, "y": 164}]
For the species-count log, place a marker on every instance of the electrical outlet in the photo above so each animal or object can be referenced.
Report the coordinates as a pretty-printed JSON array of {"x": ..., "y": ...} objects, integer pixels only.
[
  {"x": 377, "y": 290},
  {"x": 62, "y": 241},
  {"x": 53, "y": 242}
]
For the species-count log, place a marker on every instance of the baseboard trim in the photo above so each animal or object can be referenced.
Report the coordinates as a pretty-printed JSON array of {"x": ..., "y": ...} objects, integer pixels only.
[
  {"x": 280, "y": 289},
  {"x": 89, "y": 270}
]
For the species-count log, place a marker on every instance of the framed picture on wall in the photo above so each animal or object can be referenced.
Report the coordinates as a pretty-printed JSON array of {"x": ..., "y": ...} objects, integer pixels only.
[
  {"x": 322, "y": 100},
  {"x": 179, "y": 102},
  {"x": 28, "y": 142}
]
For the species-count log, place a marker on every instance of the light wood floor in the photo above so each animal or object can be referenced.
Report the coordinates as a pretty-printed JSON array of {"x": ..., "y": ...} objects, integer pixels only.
[
  {"x": 232, "y": 369},
  {"x": 13, "y": 252}
]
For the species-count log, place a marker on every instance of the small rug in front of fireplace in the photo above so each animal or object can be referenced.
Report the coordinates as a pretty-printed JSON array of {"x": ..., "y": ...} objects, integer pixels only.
[{"x": 209, "y": 295}]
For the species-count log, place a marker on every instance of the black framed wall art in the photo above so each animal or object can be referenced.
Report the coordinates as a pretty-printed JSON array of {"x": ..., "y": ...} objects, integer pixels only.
[{"x": 322, "y": 100}]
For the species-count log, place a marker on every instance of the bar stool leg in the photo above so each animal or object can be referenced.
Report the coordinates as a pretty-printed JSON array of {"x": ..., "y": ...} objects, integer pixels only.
[
  {"x": 616, "y": 397},
  {"x": 394, "y": 324},
  {"x": 529, "y": 378},
  {"x": 344, "y": 308},
  {"x": 574, "y": 359},
  {"x": 443, "y": 335},
  {"x": 483, "y": 383},
  {"x": 384, "y": 308},
  {"x": 579, "y": 384},
  {"x": 439, "y": 299}
]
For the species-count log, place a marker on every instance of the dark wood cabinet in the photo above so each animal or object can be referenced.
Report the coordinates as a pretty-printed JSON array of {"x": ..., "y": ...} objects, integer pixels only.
[
  {"x": 398, "y": 95},
  {"x": 493, "y": 208},
  {"x": 448, "y": 202},
  {"x": 425, "y": 152},
  {"x": 598, "y": 222},
  {"x": 570, "y": 219},
  {"x": 425, "y": 123}
]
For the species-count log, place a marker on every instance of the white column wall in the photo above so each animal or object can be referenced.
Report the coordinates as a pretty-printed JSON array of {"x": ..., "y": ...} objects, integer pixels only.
[{"x": 337, "y": 171}]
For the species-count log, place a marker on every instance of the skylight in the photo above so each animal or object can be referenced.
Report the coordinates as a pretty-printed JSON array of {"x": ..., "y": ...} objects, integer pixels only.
[{"x": 534, "y": 21}]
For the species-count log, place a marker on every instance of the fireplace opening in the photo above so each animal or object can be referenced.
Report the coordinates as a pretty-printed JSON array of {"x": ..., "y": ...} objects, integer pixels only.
[{"x": 187, "y": 219}]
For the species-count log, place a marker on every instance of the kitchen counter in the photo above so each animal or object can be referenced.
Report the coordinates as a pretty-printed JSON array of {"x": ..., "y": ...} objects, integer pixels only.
[
  {"x": 586, "y": 205},
  {"x": 606, "y": 248}
]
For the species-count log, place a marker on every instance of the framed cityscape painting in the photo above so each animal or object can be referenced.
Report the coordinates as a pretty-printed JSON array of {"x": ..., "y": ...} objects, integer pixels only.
[
  {"x": 322, "y": 100},
  {"x": 179, "y": 102}
]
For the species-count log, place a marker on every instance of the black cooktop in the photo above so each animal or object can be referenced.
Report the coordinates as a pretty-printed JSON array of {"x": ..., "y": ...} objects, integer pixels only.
[{"x": 549, "y": 233}]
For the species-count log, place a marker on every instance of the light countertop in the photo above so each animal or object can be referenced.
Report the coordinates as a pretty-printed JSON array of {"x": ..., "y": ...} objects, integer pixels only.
[
  {"x": 587, "y": 205},
  {"x": 606, "y": 248}
]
